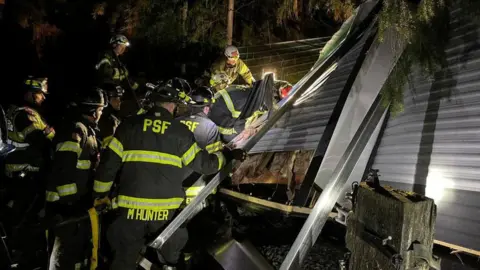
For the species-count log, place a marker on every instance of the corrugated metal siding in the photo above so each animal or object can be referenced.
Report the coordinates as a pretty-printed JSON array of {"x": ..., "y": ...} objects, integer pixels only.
[
  {"x": 434, "y": 145},
  {"x": 290, "y": 59},
  {"x": 303, "y": 126}
]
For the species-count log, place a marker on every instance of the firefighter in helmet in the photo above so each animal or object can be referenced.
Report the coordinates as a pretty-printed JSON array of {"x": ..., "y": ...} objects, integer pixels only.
[
  {"x": 109, "y": 69},
  {"x": 109, "y": 121},
  {"x": 25, "y": 168},
  {"x": 204, "y": 130},
  {"x": 69, "y": 183},
  {"x": 150, "y": 152},
  {"x": 232, "y": 65}
]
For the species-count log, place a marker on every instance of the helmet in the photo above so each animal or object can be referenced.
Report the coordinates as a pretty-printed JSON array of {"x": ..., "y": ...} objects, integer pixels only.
[
  {"x": 119, "y": 40},
  {"x": 35, "y": 85},
  {"x": 89, "y": 102},
  {"x": 165, "y": 93},
  {"x": 113, "y": 90},
  {"x": 202, "y": 96},
  {"x": 232, "y": 52},
  {"x": 180, "y": 84},
  {"x": 219, "y": 78}
]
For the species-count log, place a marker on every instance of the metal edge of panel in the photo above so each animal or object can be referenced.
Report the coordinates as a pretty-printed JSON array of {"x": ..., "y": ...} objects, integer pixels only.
[
  {"x": 319, "y": 215},
  {"x": 301, "y": 197}
]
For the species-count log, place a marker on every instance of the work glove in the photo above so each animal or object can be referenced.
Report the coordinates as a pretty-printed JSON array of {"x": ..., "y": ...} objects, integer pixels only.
[
  {"x": 102, "y": 203},
  {"x": 231, "y": 154}
]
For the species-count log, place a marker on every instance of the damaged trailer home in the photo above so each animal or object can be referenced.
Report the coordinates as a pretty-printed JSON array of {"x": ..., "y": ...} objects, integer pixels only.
[{"x": 430, "y": 148}]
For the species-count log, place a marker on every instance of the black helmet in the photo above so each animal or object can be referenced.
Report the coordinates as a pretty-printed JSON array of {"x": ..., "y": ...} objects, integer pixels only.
[
  {"x": 35, "y": 85},
  {"x": 180, "y": 84},
  {"x": 90, "y": 101},
  {"x": 113, "y": 90},
  {"x": 202, "y": 96},
  {"x": 167, "y": 92}
]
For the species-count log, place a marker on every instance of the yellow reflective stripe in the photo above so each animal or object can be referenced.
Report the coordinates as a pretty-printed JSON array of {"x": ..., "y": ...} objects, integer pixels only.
[
  {"x": 51, "y": 196},
  {"x": 116, "y": 147},
  {"x": 20, "y": 167},
  {"x": 221, "y": 159},
  {"x": 83, "y": 164},
  {"x": 229, "y": 103},
  {"x": 254, "y": 117},
  {"x": 51, "y": 135},
  {"x": 66, "y": 190},
  {"x": 151, "y": 157},
  {"x": 116, "y": 74},
  {"x": 227, "y": 131},
  {"x": 135, "y": 86},
  {"x": 69, "y": 146},
  {"x": 190, "y": 154},
  {"x": 214, "y": 147},
  {"x": 150, "y": 204},
  {"x": 95, "y": 225},
  {"x": 193, "y": 191},
  {"x": 141, "y": 111},
  {"x": 103, "y": 61},
  {"x": 106, "y": 141},
  {"x": 99, "y": 186}
]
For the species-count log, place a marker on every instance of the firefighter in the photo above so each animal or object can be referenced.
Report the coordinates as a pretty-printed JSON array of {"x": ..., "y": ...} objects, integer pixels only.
[
  {"x": 109, "y": 121},
  {"x": 69, "y": 184},
  {"x": 109, "y": 69},
  {"x": 150, "y": 152},
  {"x": 233, "y": 66},
  {"x": 32, "y": 136},
  {"x": 204, "y": 130}
]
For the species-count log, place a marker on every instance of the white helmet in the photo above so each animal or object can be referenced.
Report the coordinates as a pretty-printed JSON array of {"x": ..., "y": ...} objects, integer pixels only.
[
  {"x": 119, "y": 39},
  {"x": 232, "y": 52}
]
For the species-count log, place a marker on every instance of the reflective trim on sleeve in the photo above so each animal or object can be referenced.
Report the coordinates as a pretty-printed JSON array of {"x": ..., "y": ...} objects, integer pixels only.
[
  {"x": 51, "y": 196},
  {"x": 83, "y": 164},
  {"x": 66, "y": 190},
  {"x": 190, "y": 154},
  {"x": 229, "y": 103},
  {"x": 99, "y": 186},
  {"x": 214, "y": 147},
  {"x": 69, "y": 146},
  {"x": 116, "y": 147},
  {"x": 151, "y": 157},
  {"x": 193, "y": 191},
  {"x": 10, "y": 168},
  {"x": 150, "y": 204},
  {"x": 221, "y": 159},
  {"x": 102, "y": 62},
  {"x": 227, "y": 131},
  {"x": 141, "y": 111},
  {"x": 116, "y": 74},
  {"x": 51, "y": 135},
  {"x": 106, "y": 141}
]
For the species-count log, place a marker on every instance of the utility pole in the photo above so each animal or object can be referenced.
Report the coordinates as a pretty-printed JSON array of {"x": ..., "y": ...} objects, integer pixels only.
[
  {"x": 183, "y": 67},
  {"x": 230, "y": 22}
]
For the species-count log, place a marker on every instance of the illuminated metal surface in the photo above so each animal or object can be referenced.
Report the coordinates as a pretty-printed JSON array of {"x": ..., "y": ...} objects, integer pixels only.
[
  {"x": 233, "y": 255},
  {"x": 438, "y": 152},
  {"x": 325, "y": 203}
]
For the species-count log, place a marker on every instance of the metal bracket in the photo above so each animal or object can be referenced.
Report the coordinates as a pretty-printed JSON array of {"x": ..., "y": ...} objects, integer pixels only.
[{"x": 342, "y": 216}]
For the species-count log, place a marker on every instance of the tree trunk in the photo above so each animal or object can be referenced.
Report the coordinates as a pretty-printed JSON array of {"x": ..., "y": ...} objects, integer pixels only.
[
  {"x": 230, "y": 22},
  {"x": 183, "y": 67},
  {"x": 407, "y": 218}
]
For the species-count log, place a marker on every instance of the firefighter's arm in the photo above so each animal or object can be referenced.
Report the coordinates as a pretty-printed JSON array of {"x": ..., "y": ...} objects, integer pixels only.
[
  {"x": 107, "y": 71},
  {"x": 195, "y": 158},
  {"x": 110, "y": 164},
  {"x": 214, "y": 141},
  {"x": 61, "y": 186},
  {"x": 36, "y": 131},
  {"x": 245, "y": 72}
]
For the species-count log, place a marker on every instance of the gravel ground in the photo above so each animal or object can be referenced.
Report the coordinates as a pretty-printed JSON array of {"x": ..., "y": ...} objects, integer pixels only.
[{"x": 322, "y": 256}]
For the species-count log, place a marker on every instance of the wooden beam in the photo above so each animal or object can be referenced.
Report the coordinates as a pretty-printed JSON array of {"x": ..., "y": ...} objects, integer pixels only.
[{"x": 269, "y": 204}]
